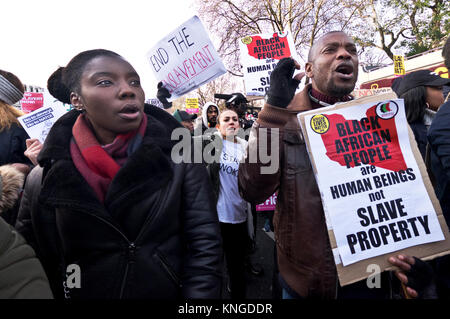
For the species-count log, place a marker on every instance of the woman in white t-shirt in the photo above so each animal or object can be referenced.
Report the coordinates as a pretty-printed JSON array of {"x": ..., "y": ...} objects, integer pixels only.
[{"x": 231, "y": 208}]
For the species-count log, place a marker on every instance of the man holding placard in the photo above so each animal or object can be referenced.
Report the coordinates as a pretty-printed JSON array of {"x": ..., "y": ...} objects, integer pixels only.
[{"x": 306, "y": 260}]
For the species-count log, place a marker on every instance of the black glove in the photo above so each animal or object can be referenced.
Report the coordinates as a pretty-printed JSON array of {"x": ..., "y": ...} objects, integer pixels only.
[
  {"x": 162, "y": 95},
  {"x": 421, "y": 279},
  {"x": 282, "y": 85}
]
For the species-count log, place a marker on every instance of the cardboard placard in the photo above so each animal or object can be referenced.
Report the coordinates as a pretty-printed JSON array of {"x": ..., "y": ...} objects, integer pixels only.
[
  {"x": 154, "y": 101},
  {"x": 391, "y": 207},
  {"x": 367, "y": 92},
  {"x": 192, "y": 105},
  {"x": 32, "y": 101},
  {"x": 399, "y": 65},
  {"x": 259, "y": 54},
  {"x": 185, "y": 59},
  {"x": 38, "y": 122},
  {"x": 268, "y": 205}
]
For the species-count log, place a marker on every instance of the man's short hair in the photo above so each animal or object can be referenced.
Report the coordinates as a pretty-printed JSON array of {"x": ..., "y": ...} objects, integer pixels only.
[{"x": 311, "y": 50}]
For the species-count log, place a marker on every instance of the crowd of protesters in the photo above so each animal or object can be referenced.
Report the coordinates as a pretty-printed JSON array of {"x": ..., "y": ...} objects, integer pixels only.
[{"x": 105, "y": 193}]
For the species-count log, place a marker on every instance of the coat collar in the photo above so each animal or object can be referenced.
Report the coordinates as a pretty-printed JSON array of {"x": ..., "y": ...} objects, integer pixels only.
[
  {"x": 159, "y": 128},
  {"x": 147, "y": 170}
]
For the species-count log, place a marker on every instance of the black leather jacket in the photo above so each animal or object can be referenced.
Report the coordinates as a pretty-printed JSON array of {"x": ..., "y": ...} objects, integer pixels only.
[{"x": 156, "y": 235}]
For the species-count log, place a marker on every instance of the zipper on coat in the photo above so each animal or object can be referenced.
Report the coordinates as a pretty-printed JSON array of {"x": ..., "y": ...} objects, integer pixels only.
[
  {"x": 131, "y": 250},
  {"x": 130, "y": 257},
  {"x": 169, "y": 270},
  {"x": 131, "y": 245},
  {"x": 152, "y": 216}
]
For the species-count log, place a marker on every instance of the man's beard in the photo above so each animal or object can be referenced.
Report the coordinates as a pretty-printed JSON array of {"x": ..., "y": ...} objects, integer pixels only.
[
  {"x": 339, "y": 91},
  {"x": 212, "y": 122}
]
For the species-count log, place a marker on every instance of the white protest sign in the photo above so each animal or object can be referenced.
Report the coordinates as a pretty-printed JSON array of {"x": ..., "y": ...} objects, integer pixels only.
[
  {"x": 359, "y": 93},
  {"x": 260, "y": 54},
  {"x": 372, "y": 190},
  {"x": 38, "y": 123},
  {"x": 185, "y": 59},
  {"x": 155, "y": 102}
]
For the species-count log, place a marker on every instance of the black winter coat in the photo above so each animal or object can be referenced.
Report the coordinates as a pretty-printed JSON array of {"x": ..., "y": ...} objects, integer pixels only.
[
  {"x": 420, "y": 134},
  {"x": 156, "y": 235},
  {"x": 439, "y": 139},
  {"x": 12, "y": 145}
]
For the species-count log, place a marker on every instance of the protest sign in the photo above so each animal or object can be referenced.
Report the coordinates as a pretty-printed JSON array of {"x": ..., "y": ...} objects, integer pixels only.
[
  {"x": 192, "y": 105},
  {"x": 49, "y": 100},
  {"x": 38, "y": 123},
  {"x": 260, "y": 54},
  {"x": 32, "y": 101},
  {"x": 185, "y": 59},
  {"x": 366, "y": 92},
  {"x": 155, "y": 102},
  {"x": 376, "y": 194},
  {"x": 269, "y": 204},
  {"x": 399, "y": 65}
]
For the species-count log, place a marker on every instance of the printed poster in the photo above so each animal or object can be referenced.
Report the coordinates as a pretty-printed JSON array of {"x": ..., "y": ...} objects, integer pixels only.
[
  {"x": 38, "y": 123},
  {"x": 31, "y": 101},
  {"x": 269, "y": 204},
  {"x": 185, "y": 59},
  {"x": 366, "y": 92},
  {"x": 399, "y": 65},
  {"x": 192, "y": 105},
  {"x": 260, "y": 54},
  {"x": 155, "y": 102},
  {"x": 372, "y": 189}
]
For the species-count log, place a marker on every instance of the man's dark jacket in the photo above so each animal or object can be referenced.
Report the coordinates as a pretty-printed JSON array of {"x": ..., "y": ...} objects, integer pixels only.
[
  {"x": 305, "y": 259},
  {"x": 156, "y": 235}
]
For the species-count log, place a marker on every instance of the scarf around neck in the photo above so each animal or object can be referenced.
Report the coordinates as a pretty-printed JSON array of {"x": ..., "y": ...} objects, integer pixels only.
[
  {"x": 99, "y": 164},
  {"x": 330, "y": 100}
]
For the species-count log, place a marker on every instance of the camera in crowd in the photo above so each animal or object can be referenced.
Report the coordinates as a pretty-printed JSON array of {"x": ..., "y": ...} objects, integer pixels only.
[{"x": 239, "y": 103}]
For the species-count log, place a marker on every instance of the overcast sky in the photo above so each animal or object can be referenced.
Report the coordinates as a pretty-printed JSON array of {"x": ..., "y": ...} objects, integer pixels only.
[{"x": 39, "y": 35}]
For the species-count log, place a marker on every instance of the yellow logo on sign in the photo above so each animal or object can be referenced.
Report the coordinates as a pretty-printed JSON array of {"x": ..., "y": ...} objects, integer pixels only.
[
  {"x": 247, "y": 40},
  {"x": 320, "y": 123}
]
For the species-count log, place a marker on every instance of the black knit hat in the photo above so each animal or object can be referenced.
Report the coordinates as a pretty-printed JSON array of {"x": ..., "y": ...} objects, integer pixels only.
[{"x": 418, "y": 78}]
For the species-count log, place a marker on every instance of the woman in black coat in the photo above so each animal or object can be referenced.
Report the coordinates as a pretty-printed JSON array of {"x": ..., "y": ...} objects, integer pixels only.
[
  {"x": 110, "y": 214},
  {"x": 12, "y": 137}
]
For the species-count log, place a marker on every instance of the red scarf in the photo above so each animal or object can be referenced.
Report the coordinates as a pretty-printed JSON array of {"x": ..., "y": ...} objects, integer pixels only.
[{"x": 98, "y": 165}]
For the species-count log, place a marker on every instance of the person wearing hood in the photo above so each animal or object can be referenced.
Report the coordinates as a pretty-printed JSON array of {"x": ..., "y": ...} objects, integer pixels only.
[
  {"x": 12, "y": 137},
  {"x": 210, "y": 114}
]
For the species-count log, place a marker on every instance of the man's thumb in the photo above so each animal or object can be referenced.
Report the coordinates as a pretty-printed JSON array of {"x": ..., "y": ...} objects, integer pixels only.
[{"x": 299, "y": 76}]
